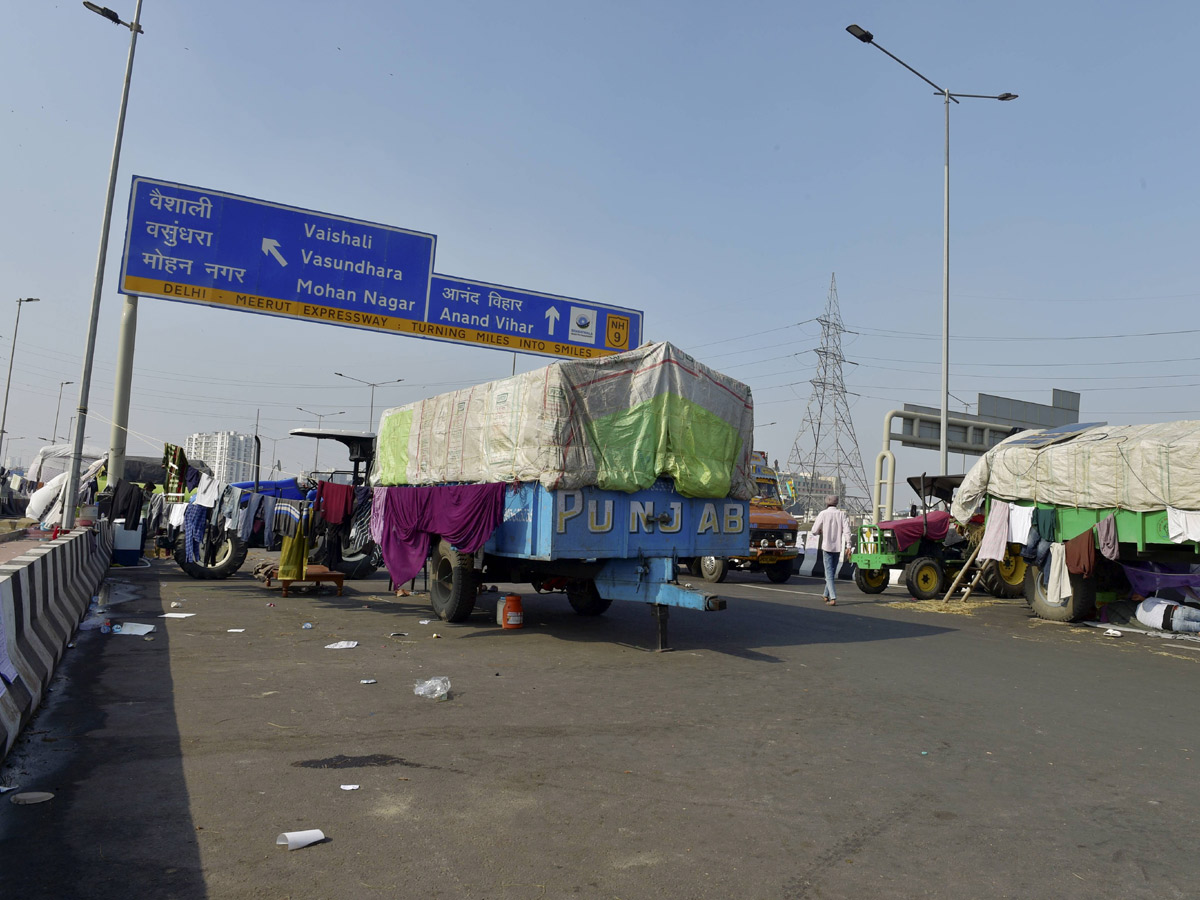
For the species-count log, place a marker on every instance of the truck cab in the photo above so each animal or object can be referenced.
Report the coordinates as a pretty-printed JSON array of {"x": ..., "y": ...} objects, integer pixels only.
[{"x": 773, "y": 547}]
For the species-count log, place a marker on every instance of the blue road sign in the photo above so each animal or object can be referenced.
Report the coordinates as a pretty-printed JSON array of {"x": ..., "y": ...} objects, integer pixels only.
[
  {"x": 214, "y": 248},
  {"x": 210, "y": 247},
  {"x": 529, "y": 322}
]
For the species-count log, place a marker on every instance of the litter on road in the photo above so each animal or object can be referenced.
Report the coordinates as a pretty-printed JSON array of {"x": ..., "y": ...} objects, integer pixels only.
[
  {"x": 31, "y": 797},
  {"x": 341, "y": 645},
  {"x": 133, "y": 628},
  {"x": 437, "y": 688},
  {"x": 294, "y": 840}
]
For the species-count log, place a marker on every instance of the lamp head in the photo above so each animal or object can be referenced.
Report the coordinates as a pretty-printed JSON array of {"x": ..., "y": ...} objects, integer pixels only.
[
  {"x": 1007, "y": 96},
  {"x": 861, "y": 33},
  {"x": 103, "y": 11}
]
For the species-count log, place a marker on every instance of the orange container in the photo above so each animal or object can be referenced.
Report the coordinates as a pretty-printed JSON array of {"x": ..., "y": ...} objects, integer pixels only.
[{"x": 514, "y": 615}]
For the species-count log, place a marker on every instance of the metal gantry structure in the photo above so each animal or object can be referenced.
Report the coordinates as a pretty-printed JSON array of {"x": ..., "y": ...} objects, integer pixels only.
[{"x": 825, "y": 458}]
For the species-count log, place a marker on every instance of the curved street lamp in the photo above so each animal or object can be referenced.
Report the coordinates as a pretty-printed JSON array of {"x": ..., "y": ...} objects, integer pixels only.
[
  {"x": 372, "y": 386},
  {"x": 867, "y": 38},
  {"x": 319, "y": 416}
]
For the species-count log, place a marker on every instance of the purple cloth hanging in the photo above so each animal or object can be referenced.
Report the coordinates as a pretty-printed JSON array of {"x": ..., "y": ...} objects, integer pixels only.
[{"x": 463, "y": 514}]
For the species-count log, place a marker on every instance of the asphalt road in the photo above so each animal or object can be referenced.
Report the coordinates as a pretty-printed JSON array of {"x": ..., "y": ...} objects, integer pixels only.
[{"x": 784, "y": 749}]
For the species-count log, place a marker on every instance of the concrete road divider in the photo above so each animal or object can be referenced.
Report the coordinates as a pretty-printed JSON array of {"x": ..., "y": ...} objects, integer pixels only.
[{"x": 44, "y": 594}]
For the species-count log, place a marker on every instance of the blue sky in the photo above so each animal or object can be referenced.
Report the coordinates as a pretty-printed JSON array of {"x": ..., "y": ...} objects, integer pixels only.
[{"x": 710, "y": 164}]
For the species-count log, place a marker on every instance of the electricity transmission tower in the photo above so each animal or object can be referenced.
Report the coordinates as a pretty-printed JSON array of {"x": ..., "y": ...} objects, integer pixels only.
[{"x": 825, "y": 458}]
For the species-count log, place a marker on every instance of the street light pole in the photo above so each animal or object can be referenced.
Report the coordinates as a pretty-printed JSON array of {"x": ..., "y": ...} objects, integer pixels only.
[
  {"x": 372, "y": 386},
  {"x": 320, "y": 416},
  {"x": 58, "y": 408},
  {"x": 867, "y": 38},
  {"x": 8, "y": 383},
  {"x": 71, "y": 489}
]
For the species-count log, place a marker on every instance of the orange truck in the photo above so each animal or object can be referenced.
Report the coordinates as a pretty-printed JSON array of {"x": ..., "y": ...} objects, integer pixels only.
[{"x": 773, "y": 548}]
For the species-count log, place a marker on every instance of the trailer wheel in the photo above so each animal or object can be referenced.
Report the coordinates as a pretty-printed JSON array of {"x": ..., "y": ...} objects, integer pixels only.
[
  {"x": 455, "y": 583},
  {"x": 227, "y": 560},
  {"x": 585, "y": 599},
  {"x": 714, "y": 569},
  {"x": 871, "y": 581},
  {"x": 1081, "y": 604},
  {"x": 925, "y": 578},
  {"x": 780, "y": 572}
]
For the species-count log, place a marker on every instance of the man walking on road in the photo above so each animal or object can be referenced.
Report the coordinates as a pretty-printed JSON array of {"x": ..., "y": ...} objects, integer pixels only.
[{"x": 833, "y": 528}]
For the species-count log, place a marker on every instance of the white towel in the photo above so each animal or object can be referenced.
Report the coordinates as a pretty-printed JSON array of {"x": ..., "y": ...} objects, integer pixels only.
[
  {"x": 1183, "y": 525},
  {"x": 1020, "y": 520},
  {"x": 1059, "y": 589}
]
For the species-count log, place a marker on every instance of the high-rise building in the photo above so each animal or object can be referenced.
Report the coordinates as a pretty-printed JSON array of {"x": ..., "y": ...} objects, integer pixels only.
[{"x": 230, "y": 455}]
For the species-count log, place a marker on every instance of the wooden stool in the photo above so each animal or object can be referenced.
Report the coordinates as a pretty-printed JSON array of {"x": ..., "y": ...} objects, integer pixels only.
[{"x": 315, "y": 574}]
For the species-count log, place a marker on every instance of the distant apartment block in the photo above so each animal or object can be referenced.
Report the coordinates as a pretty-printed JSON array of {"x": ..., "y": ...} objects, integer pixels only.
[{"x": 230, "y": 455}]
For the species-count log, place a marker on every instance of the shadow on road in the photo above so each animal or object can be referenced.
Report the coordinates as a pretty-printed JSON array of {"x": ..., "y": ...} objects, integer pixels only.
[{"x": 106, "y": 743}]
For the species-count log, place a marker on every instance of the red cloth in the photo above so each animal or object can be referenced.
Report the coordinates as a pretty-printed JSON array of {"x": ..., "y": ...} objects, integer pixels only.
[
  {"x": 335, "y": 501},
  {"x": 908, "y": 531},
  {"x": 1081, "y": 554},
  {"x": 463, "y": 514}
]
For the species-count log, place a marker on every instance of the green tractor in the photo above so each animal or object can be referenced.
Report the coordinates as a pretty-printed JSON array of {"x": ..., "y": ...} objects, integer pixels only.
[{"x": 927, "y": 551}]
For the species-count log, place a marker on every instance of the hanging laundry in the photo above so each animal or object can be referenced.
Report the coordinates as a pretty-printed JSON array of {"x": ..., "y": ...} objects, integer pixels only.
[
  {"x": 293, "y": 557},
  {"x": 207, "y": 491},
  {"x": 1106, "y": 531},
  {"x": 246, "y": 522},
  {"x": 155, "y": 514},
  {"x": 268, "y": 518},
  {"x": 464, "y": 515},
  {"x": 1183, "y": 525},
  {"x": 127, "y": 504},
  {"x": 1059, "y": 588},
  {"x": 195, "y": 521},
  {"x": 1020, "y": 520},
  {"x": 175, "y": 480},
  {"x": 995, "y": 534},
  {"x": 175, "y": 514},
  {"x": 287, "y": 516},
  {"x": 334, "y": 501},
  {"x": 227, "y": 506},
  {"x": 1046, "y": 522},
  {"x": 1081, "y": 554}
]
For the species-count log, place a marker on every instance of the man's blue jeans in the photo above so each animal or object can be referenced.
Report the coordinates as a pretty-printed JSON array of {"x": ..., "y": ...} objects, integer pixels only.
[{"x": 831, "y": 559}]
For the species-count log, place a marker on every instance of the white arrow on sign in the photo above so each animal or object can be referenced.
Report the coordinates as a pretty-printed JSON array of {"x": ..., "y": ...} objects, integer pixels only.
[
  {"x": 552, "y": 317},
  {"x": 271, "y": 246}
]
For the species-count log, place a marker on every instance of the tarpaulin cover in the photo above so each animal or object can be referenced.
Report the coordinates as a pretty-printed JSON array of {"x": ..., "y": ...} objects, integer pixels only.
[
  {"x": 618, "y": 423},
  {"x": 908, "y": 531},
  {"x": 1141, "y": 468}
]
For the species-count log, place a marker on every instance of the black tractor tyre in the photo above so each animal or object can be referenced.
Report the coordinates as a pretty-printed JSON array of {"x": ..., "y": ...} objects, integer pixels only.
[
  {"x": 780, "y": 572},
  {"x": 227, "y": 560},
  {"x": 454, "y": 585},
  {"x": 714, "y": 569},
  {"x": 871, "y": 581},
  {"x": 1080, "y": 605},
  {"x": 585, "y": 599},
  {"x": 925, "y": 578}
]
